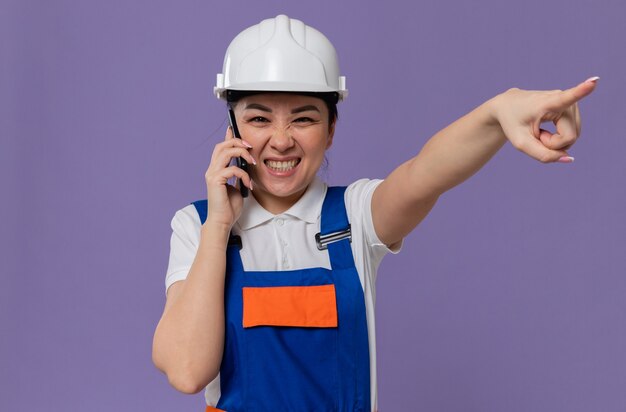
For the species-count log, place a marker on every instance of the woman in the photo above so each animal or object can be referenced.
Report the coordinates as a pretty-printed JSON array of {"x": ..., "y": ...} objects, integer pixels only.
[{"x": 270, "y": 298}]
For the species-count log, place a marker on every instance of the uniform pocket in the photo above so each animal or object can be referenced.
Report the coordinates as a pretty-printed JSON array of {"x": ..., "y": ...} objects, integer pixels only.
[{"x": 299, "y": 306}]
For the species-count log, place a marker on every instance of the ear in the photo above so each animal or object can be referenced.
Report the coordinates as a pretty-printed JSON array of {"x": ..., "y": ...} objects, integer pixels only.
[{"x": 331, "y": 134}]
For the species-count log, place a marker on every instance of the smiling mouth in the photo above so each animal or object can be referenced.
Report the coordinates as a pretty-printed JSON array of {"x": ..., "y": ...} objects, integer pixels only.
[{"x": 282, "y": 166}]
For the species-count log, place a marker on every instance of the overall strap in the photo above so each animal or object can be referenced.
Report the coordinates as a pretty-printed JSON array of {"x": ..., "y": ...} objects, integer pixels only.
[
  {"x": 234, "y": 242},
  {"x": 201, "y": 208},
  {"x": 335, "y": 234}
]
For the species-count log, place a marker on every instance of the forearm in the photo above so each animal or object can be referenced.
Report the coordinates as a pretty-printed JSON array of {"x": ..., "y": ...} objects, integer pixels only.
[
  {"x": 189, "y": 339},
  {"x": 457, "y": 152}
]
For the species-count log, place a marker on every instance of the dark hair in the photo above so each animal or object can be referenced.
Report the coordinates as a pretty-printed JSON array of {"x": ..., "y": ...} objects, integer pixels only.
[{"x": 330, "y": 98}]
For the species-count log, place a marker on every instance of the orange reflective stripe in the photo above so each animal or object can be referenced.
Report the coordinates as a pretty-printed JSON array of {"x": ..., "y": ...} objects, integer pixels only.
[
  {"x": 212, "y": 409},
  {"x": 303, "y": 306}
]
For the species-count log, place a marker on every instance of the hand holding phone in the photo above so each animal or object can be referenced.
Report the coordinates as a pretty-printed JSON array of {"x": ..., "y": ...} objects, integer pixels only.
[{"x": 241, "y": 162}]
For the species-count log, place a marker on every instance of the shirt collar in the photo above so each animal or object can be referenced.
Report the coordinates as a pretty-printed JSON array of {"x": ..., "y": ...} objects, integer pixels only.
[{"x": 307, "y": 208}]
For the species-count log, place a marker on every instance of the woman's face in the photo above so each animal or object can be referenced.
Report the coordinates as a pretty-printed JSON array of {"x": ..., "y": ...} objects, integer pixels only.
[{"x": 289, "y": 135}]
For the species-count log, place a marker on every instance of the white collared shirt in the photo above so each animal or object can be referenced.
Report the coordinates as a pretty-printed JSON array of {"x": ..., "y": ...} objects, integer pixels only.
[{"x": 287, "y": 242}]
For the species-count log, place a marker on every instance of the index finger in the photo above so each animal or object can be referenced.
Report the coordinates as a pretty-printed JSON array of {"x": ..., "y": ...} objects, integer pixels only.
[
  {"x": 229, "y": 133},
  {"x": 236, "y": 142},
  {"x": 570, "y": 96}
]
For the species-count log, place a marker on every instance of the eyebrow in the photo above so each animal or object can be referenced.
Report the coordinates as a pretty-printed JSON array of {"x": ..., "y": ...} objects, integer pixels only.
[
  {"x": 305, "y": 109},
  {"x": 294, "y": 111},
  {"x": 258, "y": 107}
]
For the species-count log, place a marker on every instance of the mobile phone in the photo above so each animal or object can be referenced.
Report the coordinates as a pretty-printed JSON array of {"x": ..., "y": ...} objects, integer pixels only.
[{"x": 241, "y": 162}]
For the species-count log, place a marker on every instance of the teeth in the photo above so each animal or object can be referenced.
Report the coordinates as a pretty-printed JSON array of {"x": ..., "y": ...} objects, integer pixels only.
[{"x": 281, "y": 166}]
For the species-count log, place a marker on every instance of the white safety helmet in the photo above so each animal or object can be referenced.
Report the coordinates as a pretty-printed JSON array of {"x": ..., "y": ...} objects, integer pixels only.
[{"x": 281, "y": 54}]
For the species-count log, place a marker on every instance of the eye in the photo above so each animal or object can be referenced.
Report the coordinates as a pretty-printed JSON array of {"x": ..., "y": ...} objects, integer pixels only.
[
  {"x": 304, "y": 120},
  {"x": 258, "y": 119}
]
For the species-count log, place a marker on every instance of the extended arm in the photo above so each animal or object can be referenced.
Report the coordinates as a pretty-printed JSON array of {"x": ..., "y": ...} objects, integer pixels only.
[{"x": 458, "y": 151}]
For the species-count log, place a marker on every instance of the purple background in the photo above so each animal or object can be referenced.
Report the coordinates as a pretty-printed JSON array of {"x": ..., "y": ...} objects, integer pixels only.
[{"x": 510, "y": 296}]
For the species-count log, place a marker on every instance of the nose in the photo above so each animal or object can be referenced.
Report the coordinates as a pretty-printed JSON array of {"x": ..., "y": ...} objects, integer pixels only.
[{"x": 281, "y": 139}]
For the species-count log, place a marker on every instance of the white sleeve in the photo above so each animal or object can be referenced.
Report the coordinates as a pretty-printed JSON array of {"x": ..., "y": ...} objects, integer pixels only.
[
  {"x": 358, "y": 199},
  {"x": 183, "y": 244}
]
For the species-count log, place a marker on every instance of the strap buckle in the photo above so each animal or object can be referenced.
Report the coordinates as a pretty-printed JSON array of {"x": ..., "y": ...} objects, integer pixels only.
[
  {"x": 235, "y": 240},
  {"x": 323, "y": 240}
]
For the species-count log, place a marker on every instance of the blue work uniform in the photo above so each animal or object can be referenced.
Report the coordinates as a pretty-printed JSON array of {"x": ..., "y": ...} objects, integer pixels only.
[{"x": 296, "y": 340}]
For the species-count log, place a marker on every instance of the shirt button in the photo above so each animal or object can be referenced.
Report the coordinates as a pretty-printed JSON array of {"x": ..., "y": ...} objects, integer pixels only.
[{"x": 280, "y": 222}]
